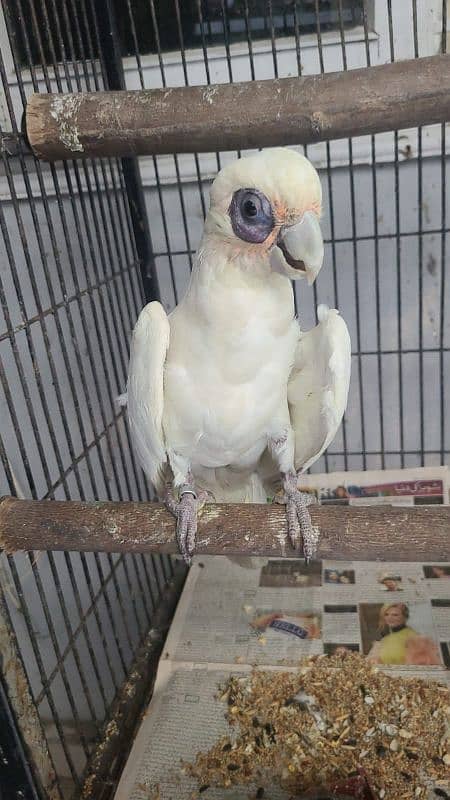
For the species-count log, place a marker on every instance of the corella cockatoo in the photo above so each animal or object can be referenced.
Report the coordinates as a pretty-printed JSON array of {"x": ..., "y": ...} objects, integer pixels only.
[{"x": 227, "y": 391}]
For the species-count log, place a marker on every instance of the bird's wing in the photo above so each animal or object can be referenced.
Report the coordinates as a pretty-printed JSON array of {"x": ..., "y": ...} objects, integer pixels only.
[
  {"x": 318, "y": 386},
  {"x": 145, "y": 390}
]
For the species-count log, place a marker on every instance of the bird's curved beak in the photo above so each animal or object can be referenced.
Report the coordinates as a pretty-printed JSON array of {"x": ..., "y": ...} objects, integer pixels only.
[{"x": 298, "y": 252}]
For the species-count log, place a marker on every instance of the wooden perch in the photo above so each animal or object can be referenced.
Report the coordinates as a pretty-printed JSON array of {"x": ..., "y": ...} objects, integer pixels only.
[
  {"x": 241, "y": 115},
  {"x": 347, "y": 533}
]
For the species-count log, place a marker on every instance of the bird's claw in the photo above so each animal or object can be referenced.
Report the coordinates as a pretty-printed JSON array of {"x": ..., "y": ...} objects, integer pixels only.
[
  {"x": 299, "y": 522},
  {"x": 185, "y": 511}
]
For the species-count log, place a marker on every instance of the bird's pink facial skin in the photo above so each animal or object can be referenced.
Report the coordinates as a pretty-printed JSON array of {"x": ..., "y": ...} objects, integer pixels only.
[
  {"x": 283, "y": 217},
  {"x": 265, "y": 214}
]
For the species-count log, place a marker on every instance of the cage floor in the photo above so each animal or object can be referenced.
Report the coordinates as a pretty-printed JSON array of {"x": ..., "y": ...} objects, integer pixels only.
[{"x": 222, "y": 626}]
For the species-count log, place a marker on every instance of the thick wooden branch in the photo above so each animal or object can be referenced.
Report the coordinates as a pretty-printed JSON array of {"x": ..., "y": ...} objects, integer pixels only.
[
  {"x": 347, "y": 533},
  {"x": 242, "y": 115}
]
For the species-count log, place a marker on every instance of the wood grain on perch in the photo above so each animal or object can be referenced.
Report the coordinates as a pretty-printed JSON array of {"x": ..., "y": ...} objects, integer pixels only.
[
  {"x": 285, "y": 111},
  {"x": 346, "y": 533}
]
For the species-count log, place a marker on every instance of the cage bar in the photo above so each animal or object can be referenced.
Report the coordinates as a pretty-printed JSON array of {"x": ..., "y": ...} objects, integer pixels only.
[{"x": 74, "y": 250}]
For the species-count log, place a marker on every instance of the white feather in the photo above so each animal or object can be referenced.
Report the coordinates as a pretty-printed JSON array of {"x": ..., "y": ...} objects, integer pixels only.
[
  {"x": 208, "y": 387},
  {"x": 318, "y": 386},
  {"x": 232, "y": 346},
  {"x": 145, "y": 390}
]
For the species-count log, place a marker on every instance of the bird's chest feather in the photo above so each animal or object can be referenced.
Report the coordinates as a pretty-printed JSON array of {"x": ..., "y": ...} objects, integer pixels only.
[{"x": 227, "y": 371}]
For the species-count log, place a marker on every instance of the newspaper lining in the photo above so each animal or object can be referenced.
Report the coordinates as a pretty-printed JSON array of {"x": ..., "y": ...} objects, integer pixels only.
[{"x": 235, "y": 614}]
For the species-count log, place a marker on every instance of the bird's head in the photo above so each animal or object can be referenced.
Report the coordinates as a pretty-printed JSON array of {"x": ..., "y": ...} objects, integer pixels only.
[{"x": 266, "y": 209}]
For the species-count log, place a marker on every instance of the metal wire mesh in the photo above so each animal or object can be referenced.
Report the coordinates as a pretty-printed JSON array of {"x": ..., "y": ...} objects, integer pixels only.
[
  {"x": 385, "y": 211},
  {"x": 71, "y": 290}
]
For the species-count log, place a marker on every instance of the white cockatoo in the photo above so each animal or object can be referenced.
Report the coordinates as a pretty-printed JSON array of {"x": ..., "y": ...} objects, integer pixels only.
[{"x": 228, "y": 392}]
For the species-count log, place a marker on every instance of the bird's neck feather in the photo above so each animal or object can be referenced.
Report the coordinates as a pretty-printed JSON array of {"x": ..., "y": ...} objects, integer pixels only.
[{"x": 227, "y": 280}]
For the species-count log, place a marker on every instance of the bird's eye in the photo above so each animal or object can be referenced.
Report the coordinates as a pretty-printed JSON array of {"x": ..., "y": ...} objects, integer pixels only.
[
  {"x": 250, "y": 209},
  {"x": 251, "y": 215}
]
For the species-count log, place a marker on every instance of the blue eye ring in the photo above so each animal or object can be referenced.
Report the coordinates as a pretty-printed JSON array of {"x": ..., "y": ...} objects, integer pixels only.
[{"x": 251, "y": 215}]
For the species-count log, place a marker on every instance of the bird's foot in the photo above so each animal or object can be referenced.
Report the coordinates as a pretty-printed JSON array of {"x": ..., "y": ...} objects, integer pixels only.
[
  {"x": 185, "y": 511},
  {"x": 299, "y": 522}
]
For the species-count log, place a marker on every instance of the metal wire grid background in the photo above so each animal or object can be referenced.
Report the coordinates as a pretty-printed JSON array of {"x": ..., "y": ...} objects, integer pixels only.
[
  {"x": 385, "y": 222},
  {"x": 71, "y": 291}
]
